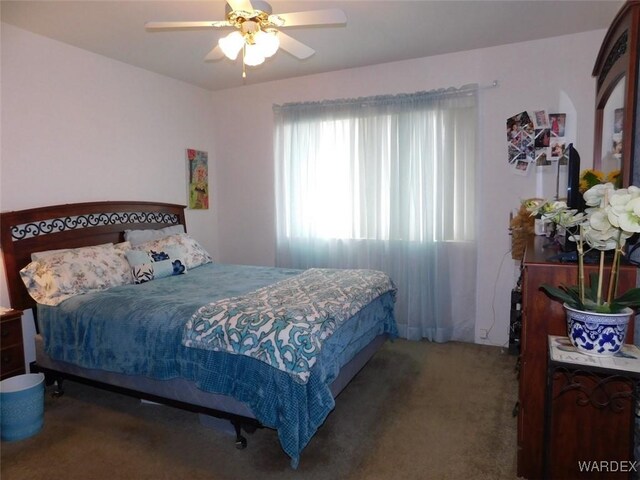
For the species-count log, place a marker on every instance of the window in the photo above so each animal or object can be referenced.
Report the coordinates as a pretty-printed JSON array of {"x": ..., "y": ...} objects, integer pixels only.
[{"x": 379, "y": 174}]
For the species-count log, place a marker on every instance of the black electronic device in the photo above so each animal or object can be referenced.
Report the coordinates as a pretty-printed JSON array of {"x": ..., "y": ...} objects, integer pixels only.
[
  {"x": 574, "y": 197},
  {"x": 574, "y": 200}
]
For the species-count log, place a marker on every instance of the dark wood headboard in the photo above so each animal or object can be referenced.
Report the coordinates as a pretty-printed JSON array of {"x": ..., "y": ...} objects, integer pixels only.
[{"x": 73, "y": 225}]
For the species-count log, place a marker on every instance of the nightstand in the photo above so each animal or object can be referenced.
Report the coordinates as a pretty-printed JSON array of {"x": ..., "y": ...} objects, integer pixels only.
[{"x": 11, "y": 347}]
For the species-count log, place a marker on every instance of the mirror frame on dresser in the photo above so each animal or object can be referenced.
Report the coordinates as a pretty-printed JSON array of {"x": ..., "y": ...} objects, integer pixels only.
[{"x": 618, "y": 59}]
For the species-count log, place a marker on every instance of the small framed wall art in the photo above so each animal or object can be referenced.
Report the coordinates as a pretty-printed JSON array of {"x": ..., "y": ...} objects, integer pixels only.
[{"x": 198, "y": 163}]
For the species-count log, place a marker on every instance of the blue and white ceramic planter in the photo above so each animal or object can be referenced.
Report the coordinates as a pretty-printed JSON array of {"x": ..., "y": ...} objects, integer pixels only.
[{"x": 598, "y": 334}]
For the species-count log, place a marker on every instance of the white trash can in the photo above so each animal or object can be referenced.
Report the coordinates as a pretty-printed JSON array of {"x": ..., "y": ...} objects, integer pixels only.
[{"x": 21, "y": 406}]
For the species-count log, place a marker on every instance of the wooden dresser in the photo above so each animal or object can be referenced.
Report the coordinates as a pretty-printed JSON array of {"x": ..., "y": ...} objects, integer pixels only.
[
  {"x": 543, "y": 316},
  {"x": 11, "y": 347}
]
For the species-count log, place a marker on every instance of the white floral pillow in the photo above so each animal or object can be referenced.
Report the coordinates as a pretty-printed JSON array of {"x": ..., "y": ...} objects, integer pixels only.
[
  {"x": 62, "y": 275},
  {"x": 151, "y": 265},
  {"x": 136, "y": 237},
  {"x": 47, "y": 253},
  {"x": 193, "y": 253}
]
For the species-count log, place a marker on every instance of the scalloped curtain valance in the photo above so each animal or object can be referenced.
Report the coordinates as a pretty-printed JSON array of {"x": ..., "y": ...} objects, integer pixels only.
[{"x": 401, "y": 100}]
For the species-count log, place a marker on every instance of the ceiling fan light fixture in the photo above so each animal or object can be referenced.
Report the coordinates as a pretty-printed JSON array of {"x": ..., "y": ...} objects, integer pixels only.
[
  {"x": 232, "y": 44},
  {"x": 253, "y": 55},
  {"x": 257, "y": 31},
  {"x": 267, "y": 41}
]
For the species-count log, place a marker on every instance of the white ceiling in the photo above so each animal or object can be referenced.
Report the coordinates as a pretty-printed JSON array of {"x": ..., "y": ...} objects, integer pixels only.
[{"x": 376, "y": 32}]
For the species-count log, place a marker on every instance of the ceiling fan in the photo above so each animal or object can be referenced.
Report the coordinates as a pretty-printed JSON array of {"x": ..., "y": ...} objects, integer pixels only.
[{"x": 257, "y": 31}]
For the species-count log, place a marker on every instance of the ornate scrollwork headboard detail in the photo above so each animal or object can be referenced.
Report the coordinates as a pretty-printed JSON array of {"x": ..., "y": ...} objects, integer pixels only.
[
  {"x": 70, "y": 226},
  {"x": 62, "y": 224}
]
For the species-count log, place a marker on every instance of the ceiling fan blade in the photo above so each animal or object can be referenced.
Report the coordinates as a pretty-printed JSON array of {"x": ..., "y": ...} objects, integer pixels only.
[
  {"x": 215, "y": 54},
  {"x": 294, "y": 47},
  {"x": 244, "y": 5},
  {"x": 333, "y": 16},
  {"x": 169, "y": 25}
]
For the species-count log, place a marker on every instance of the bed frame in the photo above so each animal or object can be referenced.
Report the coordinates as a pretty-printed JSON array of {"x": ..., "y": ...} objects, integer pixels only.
[{"x": 93, "y": 223}]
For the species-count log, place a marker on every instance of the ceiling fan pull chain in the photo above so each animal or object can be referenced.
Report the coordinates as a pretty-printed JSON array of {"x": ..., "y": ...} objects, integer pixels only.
[{"x": 244, "y": 65}]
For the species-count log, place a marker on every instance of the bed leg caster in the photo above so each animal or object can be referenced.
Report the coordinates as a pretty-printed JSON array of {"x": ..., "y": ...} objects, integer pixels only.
[{"x": 241, "y": 442}]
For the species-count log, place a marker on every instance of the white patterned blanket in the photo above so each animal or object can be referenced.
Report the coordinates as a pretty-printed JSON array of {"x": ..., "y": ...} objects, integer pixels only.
[{"x": 284, "y": 324}]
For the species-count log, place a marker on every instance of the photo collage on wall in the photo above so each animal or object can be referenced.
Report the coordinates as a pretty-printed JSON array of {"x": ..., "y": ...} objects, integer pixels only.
[{"x": 535, "y": 139}]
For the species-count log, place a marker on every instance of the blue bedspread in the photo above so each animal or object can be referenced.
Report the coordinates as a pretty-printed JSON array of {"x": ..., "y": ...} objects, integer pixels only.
[{"x": 137, "y": 330}]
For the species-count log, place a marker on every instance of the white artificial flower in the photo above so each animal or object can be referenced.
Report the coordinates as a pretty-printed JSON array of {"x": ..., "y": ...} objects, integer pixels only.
[
  {"x": 534, "y": 206},
  {"x": 599, "y": 220},
  {"x": 597, "y": 195},
  {"x": 569, "y": 218},
  {"x": 619, "y": 197},
  {"x": 634, "y": 191},
  {"x": 613, "y": 217},
  {"x": 598, "y": 232},
  {"x": 629, "y": 218},
  {"x": 551, "y": 210},
  {"x": 557, "y": 206},
  {"x": 600, "y": 239}
]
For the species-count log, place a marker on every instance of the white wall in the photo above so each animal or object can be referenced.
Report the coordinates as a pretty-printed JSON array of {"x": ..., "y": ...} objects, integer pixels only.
[
  {"x": 532, "y": 75},
  {"x": 77, "y": 126}
]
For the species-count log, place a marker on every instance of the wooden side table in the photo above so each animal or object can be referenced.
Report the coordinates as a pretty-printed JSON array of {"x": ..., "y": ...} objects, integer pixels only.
[
  {"x": 590, "y": 405},
  {"x": 542, "y": 317},
  {"x": 11, "y": 347}
]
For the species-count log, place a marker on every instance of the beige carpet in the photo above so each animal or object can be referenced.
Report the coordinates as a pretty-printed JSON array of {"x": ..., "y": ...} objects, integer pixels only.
[{"x": 418, "y": 410}]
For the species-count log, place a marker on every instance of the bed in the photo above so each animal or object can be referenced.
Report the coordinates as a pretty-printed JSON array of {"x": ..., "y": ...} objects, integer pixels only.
[{"x": 162, "y": 340}]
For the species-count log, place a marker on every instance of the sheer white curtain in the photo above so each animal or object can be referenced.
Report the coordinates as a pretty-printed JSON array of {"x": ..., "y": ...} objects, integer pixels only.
[{"x": 386, "y": 183}]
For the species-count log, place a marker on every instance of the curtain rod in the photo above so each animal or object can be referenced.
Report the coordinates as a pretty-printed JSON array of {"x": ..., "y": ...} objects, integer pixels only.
[{"x": 364, "y": 101}]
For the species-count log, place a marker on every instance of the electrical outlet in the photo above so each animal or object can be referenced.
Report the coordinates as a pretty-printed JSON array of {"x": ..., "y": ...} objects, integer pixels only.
[{"x": 484, "y": 334}]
